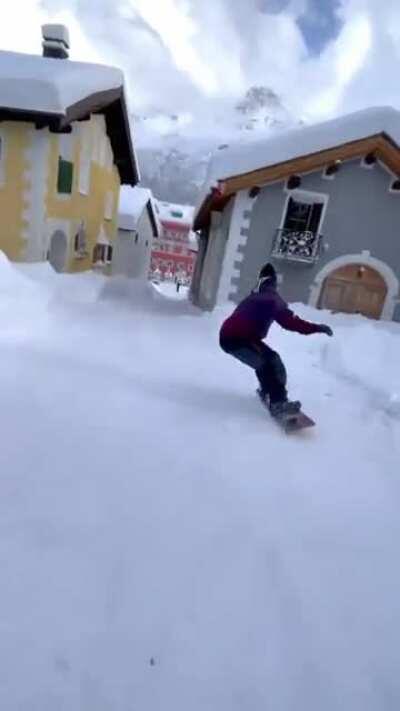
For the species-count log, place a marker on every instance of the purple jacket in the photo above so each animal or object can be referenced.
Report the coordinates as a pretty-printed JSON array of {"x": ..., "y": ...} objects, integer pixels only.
[{"x": 253, "y": 317}]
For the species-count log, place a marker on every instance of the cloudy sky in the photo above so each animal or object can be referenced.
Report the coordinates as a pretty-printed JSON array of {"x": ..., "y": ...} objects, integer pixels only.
[{"x": 323, "y": 57}]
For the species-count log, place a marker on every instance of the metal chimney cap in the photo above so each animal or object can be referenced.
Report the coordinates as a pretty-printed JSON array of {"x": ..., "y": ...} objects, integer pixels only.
[{"x": 56, "y": 33}]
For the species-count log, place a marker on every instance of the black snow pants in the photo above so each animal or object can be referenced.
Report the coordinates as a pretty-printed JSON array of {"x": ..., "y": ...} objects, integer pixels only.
[{"x": 270, "y": 370}]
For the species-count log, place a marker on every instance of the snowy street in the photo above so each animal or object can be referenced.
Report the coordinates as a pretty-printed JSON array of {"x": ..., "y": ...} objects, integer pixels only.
[{"x": 164, "y": 546}]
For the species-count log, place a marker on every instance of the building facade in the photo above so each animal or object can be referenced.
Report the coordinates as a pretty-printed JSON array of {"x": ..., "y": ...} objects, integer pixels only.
[
  {"x": 328, "y": 219},
  {"x": 138, "y": 227},
  {"x": 174, "y": 252},
  {"x": 65, "y": 149}
]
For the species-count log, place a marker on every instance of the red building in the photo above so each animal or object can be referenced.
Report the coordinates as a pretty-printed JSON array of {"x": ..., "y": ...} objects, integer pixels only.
[{"x": 174, "y": 253}]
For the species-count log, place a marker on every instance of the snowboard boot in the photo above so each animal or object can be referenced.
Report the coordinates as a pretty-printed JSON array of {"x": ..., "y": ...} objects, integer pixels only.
[{"x": 285, "y": 408}]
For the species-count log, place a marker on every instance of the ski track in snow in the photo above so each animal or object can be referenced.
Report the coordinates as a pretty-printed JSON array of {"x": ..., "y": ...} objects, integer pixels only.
[{"x": 163, "y": 545}]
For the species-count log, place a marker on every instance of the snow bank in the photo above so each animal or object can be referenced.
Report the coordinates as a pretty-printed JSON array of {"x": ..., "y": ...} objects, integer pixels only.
[
  {"x": 14, "y": 285},
  {"x": 35, "y": 83},
  {"x": 364, "y": 353},
  {"x": 369, "y": 357}
]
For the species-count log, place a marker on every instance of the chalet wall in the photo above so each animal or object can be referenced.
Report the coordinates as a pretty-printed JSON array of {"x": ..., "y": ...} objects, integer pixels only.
[
  {"x": 90, "y": 206},
  {"x": 15, "y": 180},
  {"x": 362, "y": 216},
  {"x": 131, "y": 257}
]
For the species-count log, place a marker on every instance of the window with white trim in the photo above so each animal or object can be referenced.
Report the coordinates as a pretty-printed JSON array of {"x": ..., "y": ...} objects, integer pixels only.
[
  {"x": 80, "y": 241},
  {"x": 369, "y": 161},
  {"x": 102, "y": 253},
  {"x": 298, "y": 238}
]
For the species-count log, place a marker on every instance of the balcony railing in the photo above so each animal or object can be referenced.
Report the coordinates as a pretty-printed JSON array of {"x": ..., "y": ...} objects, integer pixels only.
[{"x": 296, "y": 246}]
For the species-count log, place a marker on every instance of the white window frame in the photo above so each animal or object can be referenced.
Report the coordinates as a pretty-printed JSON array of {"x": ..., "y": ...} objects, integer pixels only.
[
  {"x": 368, "y": 166},
  {"x": 332, "y": 176},
  {"x": 80, "y": 238},
  {"x": 307, "y": 196}
]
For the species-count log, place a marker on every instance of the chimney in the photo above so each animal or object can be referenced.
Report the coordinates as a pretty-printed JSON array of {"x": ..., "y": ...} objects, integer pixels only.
[{"x": 55, "y": 41}]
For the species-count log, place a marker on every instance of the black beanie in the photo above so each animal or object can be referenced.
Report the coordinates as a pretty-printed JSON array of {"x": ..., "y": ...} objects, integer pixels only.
[{"x": 268, "y": 273}]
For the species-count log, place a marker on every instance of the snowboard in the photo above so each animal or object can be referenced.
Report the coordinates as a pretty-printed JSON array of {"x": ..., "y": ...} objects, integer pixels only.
[{"x": 290, "y": 423}]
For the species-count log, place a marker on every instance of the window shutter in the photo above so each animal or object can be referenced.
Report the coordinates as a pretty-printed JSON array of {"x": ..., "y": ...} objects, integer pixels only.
[{"x": 65, "y": 176}]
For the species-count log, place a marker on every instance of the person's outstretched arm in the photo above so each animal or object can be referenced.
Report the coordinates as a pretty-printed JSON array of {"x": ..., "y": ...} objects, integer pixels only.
[{"x": 290, "y": 322}]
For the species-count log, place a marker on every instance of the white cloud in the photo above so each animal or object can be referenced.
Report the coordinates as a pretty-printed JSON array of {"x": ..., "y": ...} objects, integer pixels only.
[
  {"x": 190, "y": 56},
  {"x": 172, "y": 21},
  {"x": 339, "y": 67}
]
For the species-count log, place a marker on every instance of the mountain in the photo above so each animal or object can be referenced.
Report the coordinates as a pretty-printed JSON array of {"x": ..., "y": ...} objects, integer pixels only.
[{"x": 174, "y": 151}]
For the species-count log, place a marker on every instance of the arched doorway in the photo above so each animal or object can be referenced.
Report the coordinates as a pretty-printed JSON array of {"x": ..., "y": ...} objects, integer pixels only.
[
  {"x": 58, "y": 251},
  {"x": 354, "y": 288}
]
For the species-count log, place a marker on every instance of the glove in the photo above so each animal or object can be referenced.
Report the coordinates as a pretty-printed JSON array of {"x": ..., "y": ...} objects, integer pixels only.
[{"x": 326, "y": 329}]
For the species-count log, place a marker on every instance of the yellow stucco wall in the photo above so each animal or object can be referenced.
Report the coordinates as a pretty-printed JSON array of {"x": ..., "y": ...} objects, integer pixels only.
[
  {"x": 19, "y": 170},
  {"x": 16, "y": 138},
  {"x": 75, "y": 207}
]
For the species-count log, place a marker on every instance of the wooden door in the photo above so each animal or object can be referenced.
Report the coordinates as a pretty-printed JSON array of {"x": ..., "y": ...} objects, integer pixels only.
[{"x": 354, "y": 288}]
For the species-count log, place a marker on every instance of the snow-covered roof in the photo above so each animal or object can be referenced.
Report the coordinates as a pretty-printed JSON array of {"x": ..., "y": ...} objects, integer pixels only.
[
  {"x": 171, "y": 212},
  {"x": 132, "y": 203},
  {"x": 303, "y": 141},
  {"x": 35, "y": 83}
]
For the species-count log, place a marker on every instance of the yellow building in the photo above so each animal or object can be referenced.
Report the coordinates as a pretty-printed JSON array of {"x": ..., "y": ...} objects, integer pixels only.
[{"x": 65, "y": 149}]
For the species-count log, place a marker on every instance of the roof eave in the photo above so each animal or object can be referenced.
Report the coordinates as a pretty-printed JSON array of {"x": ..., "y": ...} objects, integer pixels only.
[
  {"x": 111, "y": 103},
  {"x": 153, "y": 218},
  {"x": 381, "y": 143}
]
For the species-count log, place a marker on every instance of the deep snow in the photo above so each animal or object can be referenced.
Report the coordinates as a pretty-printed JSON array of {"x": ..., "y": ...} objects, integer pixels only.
[
  {"x": 294, "y": 143},
  {"x": 33, "y": 83},
  {"x": 165, "y": 546}
]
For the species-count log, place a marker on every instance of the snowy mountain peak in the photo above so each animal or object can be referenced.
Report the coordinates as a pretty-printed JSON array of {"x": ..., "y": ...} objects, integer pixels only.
[{"x": 174, "y": 150}]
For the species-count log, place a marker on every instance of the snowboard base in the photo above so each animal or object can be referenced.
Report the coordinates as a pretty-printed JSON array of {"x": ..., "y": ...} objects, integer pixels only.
[{"x": 290, "y": 423}]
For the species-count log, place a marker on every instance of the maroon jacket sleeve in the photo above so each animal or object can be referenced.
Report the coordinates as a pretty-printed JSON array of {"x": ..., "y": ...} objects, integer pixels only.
[{"x": 290, "y": 322}]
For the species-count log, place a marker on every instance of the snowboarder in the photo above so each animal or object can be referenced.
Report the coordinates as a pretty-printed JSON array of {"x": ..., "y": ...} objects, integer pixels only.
[{"x": 242, "y": 335}]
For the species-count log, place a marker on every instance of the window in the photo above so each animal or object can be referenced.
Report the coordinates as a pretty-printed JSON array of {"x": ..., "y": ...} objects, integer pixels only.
[
  {"x": 80, "y": 242},
  {"x": 293, "y": 182},
  {"x": 299, "y": 239},
  {"x": 98, "y": 253},
  {"x": 102, "y": 253},
  {"x": 331, "y": 170},
  {"x": 136, "y": 238},
  {"x": 303, "y": 216},
  {"x": 176, "y": 213},
  {"x": 369, "y": 161},
  {"x": 65, "y": 176}
]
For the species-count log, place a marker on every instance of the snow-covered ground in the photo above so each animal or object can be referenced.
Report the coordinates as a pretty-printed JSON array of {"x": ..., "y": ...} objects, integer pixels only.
[{"x": 163, "y": 544}]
